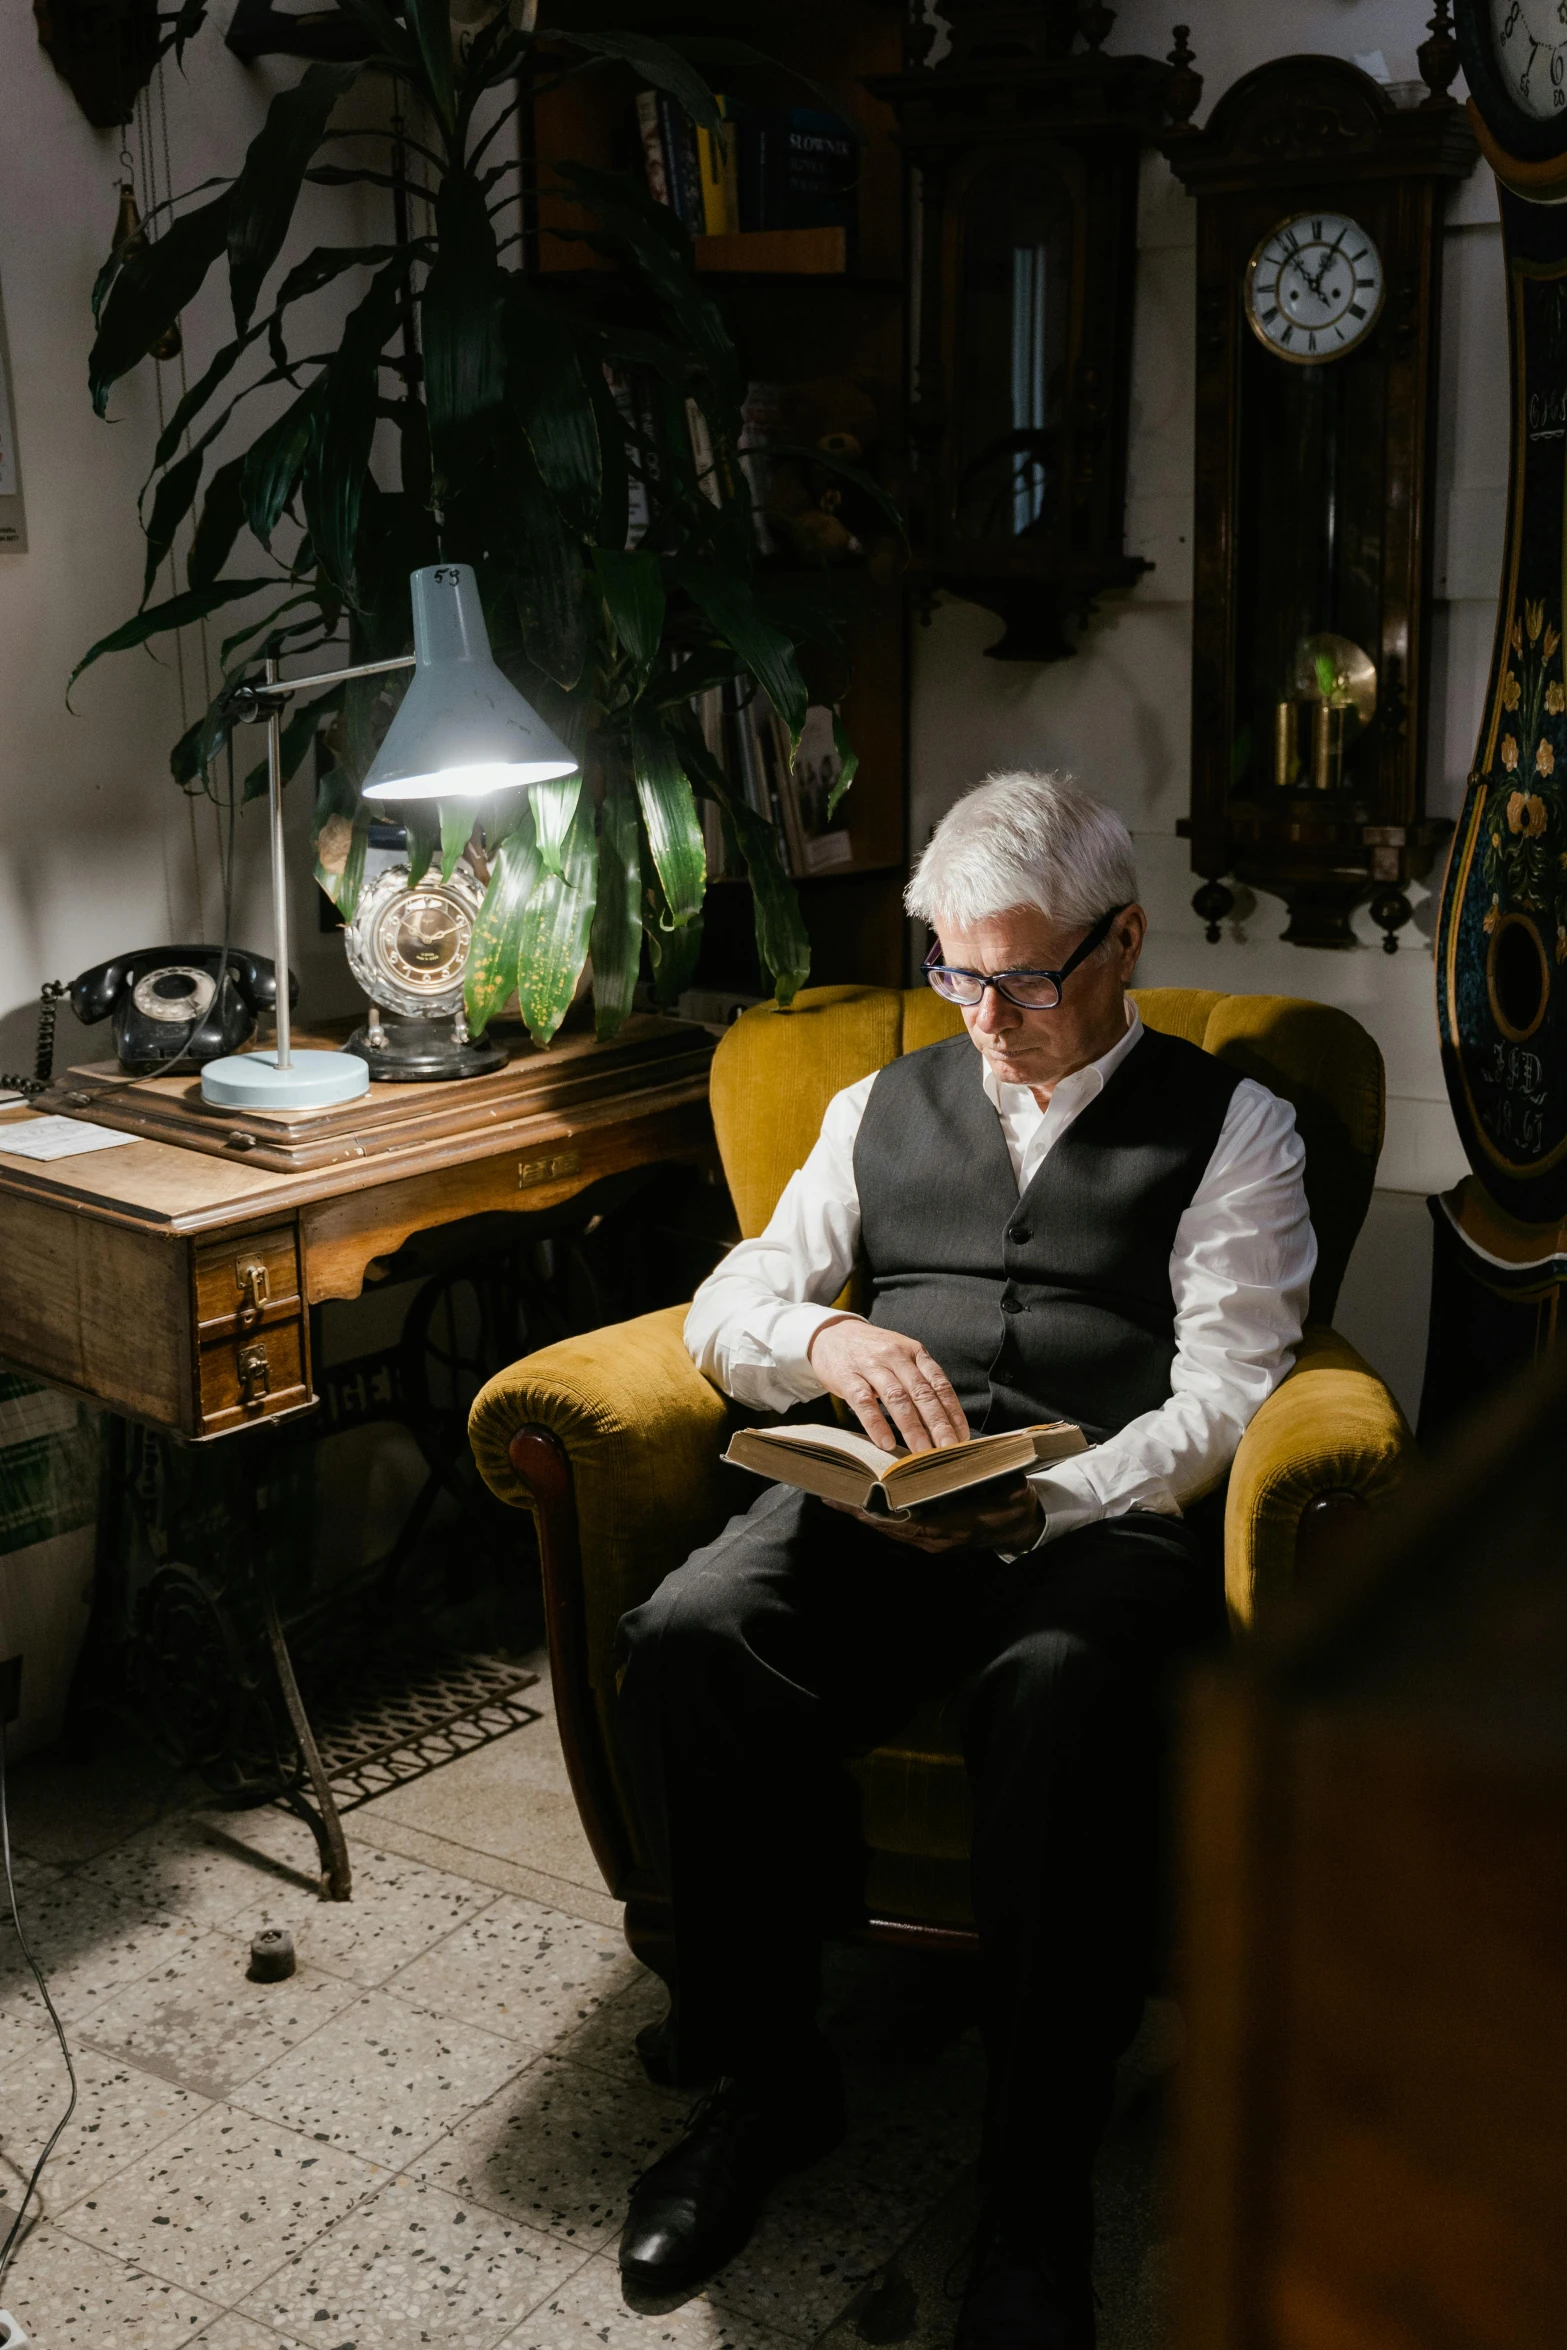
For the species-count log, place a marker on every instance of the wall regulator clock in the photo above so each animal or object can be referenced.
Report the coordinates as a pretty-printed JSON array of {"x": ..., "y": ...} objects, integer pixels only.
[
  {"x": 1502, "y": 931},
  {"x": 408, "y": 949},
  {"x": 1318, "y": 308}
]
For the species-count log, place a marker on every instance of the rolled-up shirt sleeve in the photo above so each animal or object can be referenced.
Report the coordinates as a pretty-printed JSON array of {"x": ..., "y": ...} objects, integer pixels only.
[
  {"x": 1240, "y": 1275},
  {"x": 752, "y": 1321}
]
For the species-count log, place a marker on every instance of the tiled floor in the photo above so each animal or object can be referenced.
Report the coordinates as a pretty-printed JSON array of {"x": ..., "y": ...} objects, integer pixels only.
[{"x": 427, "y": 2135}]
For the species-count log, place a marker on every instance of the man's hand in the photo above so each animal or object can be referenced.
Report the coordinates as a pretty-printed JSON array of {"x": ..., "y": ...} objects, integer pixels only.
[
  {"x": 892, "y": 1386},
  {"x": 1002, "y": 1515}
]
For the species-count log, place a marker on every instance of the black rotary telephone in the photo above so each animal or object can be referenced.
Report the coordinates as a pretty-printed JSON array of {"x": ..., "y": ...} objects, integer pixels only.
[{"x": 168, "y": 1004}]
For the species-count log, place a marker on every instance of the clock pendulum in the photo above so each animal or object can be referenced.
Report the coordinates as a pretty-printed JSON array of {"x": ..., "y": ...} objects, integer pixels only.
[{"x": 1501, "y": 958}]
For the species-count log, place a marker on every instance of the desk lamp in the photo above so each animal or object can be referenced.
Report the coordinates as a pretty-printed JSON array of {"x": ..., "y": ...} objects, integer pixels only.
[{"x": 462, "y": 731}]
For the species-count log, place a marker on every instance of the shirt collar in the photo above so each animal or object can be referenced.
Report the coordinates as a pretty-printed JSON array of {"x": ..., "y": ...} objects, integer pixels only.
[{"x": 1091, "y": 1079}]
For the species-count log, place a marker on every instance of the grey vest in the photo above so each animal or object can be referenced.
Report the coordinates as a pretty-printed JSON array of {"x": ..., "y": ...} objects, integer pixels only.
[{"x": 1055, "y": 1305}]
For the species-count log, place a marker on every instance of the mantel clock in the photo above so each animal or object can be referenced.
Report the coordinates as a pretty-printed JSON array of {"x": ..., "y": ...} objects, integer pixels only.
[
  {"x": 1502, "y": 929},
  {"x": 1319, "y": 203},
  {"x": 1026, "y": 153}
]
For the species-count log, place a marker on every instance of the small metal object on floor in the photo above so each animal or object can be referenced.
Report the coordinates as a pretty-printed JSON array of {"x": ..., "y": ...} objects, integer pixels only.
[{"x": 401, "y": 1719}]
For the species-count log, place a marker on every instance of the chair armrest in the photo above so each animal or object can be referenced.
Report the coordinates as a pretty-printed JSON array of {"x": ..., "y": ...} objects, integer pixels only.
[
  {"x": 1329, "y": 1443},
  {"x": 611, "y": 1441},
  {"x": 642, "y": 1432}
]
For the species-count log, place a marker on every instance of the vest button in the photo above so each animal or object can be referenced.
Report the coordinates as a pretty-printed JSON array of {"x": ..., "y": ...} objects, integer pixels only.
[
  {"x": 1012, "y": 1305},
  {"x": 1020, "y": 1236}
]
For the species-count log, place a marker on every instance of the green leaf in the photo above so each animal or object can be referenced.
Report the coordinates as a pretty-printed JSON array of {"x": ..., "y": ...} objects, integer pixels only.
[
  {"x": 674, "y": 955},
  {"x": 848, "y": 763},
  {"x": 457, "y": 822},
  {"x": 515, "y": 872},
  {"x": 338, "y": 460},
  {"x": 264, "y": 195},
  {"x": 274, "y": 460},
  {"x": 463, "y": 334},
  {"x": 615, "y": 485},
  {"x": 554, "y": 811},
  {"x": 339, "y": 836},
  {"x": 422, "y": 823},
  {"x": 298, "y": 732},
  {"x": 327, "y": 262},
  {"x": 633, "y": 587},
  {"x": 727, "y": 602},
  {"x": 781, "y": 938},
  {"x": 665, "y": 68},
  {"x": 430, "y": 22},
  {"x": 660, "y": 248},
  {"x": 553, "y": 942},
  {"x": 153, "y": 286},
  {"x": 178, "y": 612},
  {"x": 176, "y": 494},
  {"x": 616, "y": 940},
  {"x": 200, "y": 745},
  {"x": 222, "y": 513},
  {"x": 549, "y": 571},
  {"x": 674, "y": 831},
  {"x": 547, "y": 397}
]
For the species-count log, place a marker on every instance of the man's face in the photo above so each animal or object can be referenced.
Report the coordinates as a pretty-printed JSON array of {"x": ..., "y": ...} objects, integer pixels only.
[{"x": 1037, "y": 1048}]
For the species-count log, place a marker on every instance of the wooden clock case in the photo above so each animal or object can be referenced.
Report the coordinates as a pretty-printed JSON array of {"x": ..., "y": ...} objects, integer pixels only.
[{"x": 1296, "y": 132}]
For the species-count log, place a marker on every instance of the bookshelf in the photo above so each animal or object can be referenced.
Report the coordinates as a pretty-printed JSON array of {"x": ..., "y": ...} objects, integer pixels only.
[{"x": 801, "y": 304}]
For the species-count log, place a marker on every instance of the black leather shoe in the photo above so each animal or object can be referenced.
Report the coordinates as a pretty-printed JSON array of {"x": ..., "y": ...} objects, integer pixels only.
[
  {"x": 1017, "y": 2304},
  {"x": 698, "y": 2205}
]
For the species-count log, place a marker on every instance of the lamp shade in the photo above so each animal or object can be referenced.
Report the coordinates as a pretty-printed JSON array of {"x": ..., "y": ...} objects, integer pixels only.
[{"x": 462, "y": 729}]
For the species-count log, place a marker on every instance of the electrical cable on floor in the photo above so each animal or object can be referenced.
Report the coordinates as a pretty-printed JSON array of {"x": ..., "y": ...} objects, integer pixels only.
[{"x": 9, "y": 2246}]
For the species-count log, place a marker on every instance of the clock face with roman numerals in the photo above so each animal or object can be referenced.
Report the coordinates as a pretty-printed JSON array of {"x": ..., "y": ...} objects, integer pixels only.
[{"x": 1314, "y": 287}]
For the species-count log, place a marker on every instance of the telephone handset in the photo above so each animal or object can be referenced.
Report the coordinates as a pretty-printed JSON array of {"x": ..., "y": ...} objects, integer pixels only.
[{"x": 167, "y": 1003}]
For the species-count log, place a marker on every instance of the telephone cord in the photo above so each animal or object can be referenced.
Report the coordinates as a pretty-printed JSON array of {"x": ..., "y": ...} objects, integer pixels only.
[{"x": 9, "y": 2246}]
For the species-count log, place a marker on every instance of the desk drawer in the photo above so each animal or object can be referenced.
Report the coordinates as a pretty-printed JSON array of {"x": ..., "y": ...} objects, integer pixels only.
[
  {"x": 252, "y": 1377},
  {"x": 243, "y": 1285}
]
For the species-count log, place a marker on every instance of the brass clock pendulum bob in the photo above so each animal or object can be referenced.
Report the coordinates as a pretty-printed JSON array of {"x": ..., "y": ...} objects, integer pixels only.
[{"x": 1500, "y": 1251}]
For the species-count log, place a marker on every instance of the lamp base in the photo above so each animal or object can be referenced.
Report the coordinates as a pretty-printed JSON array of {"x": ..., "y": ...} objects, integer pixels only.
[
  {"x": 423, "y": 1051},
  {"x": 313, "y": 1081}
]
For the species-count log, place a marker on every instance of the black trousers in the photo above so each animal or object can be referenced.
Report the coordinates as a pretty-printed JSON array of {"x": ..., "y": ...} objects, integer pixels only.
[{"x": 800, "y": 1638}]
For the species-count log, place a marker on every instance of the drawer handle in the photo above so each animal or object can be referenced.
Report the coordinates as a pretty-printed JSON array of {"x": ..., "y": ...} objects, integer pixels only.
[
  {"x": 255, "y": 1288},
  {"x": 255, "y": 1375}
]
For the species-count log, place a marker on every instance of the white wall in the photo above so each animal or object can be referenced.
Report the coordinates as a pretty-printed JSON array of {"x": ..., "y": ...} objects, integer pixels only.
[
  {"x": 99, "y": 851},
  {"x": 1118, "y": 713}
]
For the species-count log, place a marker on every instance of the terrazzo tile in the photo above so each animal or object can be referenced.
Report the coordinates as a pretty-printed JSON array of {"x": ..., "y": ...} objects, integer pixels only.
[
  {"x": 121, "y": 2112},
  {"x": 92, "y": 1942},
  {"x": 69, "y": 2297},
  {"x": 589, "y": 2308},
  {"x": 201, "y": 2023},
  {"x": 490, "y": 1799},
  {"x": 410, "y": 2266},
  {"x": 191, "y": 1867},
  {"x": 219, "y": 2206},
  {"x": 502, "y": 1876},
  {"x": 821, "y": 2236},
  {"x": 520, "y": 1969},
  {"x": 606, "y": 2038},
  {"x": 239, "y": 2333},
  {"x": 400, "y": 1908},
  {"x": 559, "y": 2148},
  {"x": 385, "y": 2079},
  {"x": 64, "y": 1810}
]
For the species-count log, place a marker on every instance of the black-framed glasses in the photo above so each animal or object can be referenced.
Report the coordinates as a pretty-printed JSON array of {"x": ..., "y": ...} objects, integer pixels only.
[{"x": 1031, "y": 991}]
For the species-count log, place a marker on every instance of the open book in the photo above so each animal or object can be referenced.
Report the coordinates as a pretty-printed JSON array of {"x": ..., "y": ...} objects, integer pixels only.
[{"x": 842, "y": 1465}]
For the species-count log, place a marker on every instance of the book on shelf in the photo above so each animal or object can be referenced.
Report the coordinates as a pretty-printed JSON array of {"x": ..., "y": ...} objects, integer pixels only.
[
  {"x": 631, "y": 392},
  {"x": 839, "y": 1464},
  {"x": 761, "y": 422},
  {"x": 766, "y": 168},
  {"x": 745, "y": 736}
]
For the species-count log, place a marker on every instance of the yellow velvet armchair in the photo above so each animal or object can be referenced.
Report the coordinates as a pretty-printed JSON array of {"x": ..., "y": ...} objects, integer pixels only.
[{"x": 612, "y": 1440}]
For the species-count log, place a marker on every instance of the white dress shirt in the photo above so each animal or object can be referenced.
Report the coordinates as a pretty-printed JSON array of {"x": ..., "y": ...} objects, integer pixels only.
[{"x": 1240, "y": 1271}]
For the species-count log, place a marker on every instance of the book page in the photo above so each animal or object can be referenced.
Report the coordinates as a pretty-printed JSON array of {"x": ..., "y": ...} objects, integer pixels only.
[{"x": 840, "y": 1444}]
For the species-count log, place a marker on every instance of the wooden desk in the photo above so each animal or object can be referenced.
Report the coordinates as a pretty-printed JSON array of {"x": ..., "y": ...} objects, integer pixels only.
[{"x": 170, "y": 1279}]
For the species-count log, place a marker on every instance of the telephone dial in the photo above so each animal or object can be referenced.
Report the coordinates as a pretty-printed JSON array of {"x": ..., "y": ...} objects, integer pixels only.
[{"x": 167, "y": 1003}]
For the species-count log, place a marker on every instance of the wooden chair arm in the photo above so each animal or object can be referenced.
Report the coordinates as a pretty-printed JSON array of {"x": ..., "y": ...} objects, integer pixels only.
[
  {"x": 1329, "y": 1444},
  {"x": 611, "y": 1441}
]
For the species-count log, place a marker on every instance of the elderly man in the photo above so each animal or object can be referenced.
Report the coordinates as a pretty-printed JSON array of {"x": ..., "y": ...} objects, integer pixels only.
[{"x": 1090, "y": 1221}]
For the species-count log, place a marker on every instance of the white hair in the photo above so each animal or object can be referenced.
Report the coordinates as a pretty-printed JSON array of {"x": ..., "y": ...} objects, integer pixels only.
[{"x": 1024, "y": 840}]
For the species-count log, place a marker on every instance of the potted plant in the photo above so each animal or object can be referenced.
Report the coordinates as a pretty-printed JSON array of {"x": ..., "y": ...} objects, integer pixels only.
[{"x": 512, "y": 453}]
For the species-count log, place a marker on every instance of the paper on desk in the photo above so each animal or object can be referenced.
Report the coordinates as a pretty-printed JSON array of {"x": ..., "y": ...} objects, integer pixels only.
[{"x": 58, "y": 1138}]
